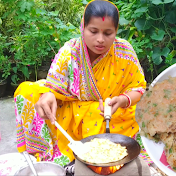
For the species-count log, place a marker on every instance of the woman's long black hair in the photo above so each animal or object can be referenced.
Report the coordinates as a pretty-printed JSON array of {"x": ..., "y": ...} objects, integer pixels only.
[{"x": 101, "y": 8}]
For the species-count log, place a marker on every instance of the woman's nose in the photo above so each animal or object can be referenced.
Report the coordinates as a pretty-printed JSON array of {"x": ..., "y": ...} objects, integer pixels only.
[{"x": 100, "y": 38}]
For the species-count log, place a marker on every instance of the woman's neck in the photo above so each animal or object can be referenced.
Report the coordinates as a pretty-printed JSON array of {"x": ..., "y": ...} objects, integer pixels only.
[{"x": 92, "y": 55}]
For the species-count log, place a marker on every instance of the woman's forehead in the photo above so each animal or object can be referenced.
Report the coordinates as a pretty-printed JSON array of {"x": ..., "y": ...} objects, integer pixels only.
[{"x": 105, "y": 22}]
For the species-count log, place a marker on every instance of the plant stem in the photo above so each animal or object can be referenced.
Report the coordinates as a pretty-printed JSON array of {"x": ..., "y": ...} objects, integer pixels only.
[
  {"x": 57, "y": 35},
  {"x": 51, "y": 47},
  {"x": 167, "y": 33}
]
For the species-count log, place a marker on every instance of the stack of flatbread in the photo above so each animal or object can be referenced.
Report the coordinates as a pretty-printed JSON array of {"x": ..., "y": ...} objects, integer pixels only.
[{"x": 156, "y": 116}]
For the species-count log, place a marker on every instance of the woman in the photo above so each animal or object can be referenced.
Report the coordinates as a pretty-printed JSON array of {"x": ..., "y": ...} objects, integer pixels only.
[{"x": 83, "y": 74}]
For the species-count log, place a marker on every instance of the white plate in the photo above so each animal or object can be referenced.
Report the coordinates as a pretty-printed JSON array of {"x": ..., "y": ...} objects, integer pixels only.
[
  {"x": 155, "y": 150},
  {"x": 10, "y": 163},
  {"x": 156, "y": 153}
]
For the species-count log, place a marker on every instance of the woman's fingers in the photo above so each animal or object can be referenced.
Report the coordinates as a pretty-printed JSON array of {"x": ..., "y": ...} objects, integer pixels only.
[
  {"x": 45, "y": 112},
  {"x": 101, "y": 107},
  {"x": 102, "y": 114},
  {"x": 49, "y": 113},
  {"x": 114, "y": 103},
  {"x": 47, "y": 106},
  {"x": 54, "y": 109},
  {"x": 40, "y": 112}
]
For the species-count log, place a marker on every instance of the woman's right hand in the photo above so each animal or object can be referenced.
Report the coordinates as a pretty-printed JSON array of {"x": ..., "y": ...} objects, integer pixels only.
[{"x": 46, "y": 106}]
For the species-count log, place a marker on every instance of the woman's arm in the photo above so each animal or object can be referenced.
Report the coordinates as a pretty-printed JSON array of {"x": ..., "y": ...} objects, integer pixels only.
[
  {"x": 134, "y": 96},
  {"x": 122, "y": 101}
]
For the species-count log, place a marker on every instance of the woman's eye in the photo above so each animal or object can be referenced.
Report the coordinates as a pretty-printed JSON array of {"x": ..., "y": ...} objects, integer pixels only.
[
  {"x": 93, "y": 32},
  {"x": 107, "y": 34}
]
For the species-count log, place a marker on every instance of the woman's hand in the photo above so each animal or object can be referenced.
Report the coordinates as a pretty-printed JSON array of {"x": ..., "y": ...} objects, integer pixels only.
[
  {"x": 46, "y": 106},
  {"x": 115, "y": 102}
]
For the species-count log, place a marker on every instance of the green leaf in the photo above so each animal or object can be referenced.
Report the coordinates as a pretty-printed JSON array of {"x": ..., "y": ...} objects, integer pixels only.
[
  {"x": 169, "y": 59},
  {"x": 120, "y": 31},
  {"x": 14, "y": 69},
  {"x": 144, "y": 1},
  {"x": 131, "y": 34},
  {"x": 84, "y": 2},
  {"x": 40, "y": 11},
  {"x": 123, "y": 21},
  {"x": 157, "y": 2},
  {"x": 173, "y": 29},
  {"x": 21, "y": 16},
  {"x": 174, "y": 3},
  {"x": 173, "y": 60},
  {"x": 156, "y": 52},
  {"x": 141, "y": 10},
  {"x": 26, "y": 5},
  {"x": 157, "y": 60},
  {"x": 25, "y": 71},
  {"x": 54, "y": 13},
  {"x": 165, "y": 51},
  {"x": 29, "y": 5},
  {"x": 156, "y": 56},
  {"x": 158, "y": 36},
  {"x": 23, "y": 7},
  {"x": 143, "y": 24},
  {"x": 46, "y": 32},
  {"x": 168, "y": 1},
  {"x": 171, "y": 17},
  {"x": 71, "y": 26},
  {"x": 14, "y": 78}
]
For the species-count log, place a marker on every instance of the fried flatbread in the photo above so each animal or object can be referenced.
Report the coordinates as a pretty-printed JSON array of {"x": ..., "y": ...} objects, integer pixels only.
[
  {"x": 104, "y": 151},
  {"x": 156, "y": 116}
]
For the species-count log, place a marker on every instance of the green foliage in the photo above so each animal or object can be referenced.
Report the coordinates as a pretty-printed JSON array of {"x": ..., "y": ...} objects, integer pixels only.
[
  {"x": 150, "y": 26},
  {"x": 34, "y": 33},
  {"x": 5, "y": 65},
  {"x": 69, "y": 11}
]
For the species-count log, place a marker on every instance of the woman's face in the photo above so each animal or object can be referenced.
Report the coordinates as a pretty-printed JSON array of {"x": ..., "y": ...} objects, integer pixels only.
[{"x": 99, "y": 35}]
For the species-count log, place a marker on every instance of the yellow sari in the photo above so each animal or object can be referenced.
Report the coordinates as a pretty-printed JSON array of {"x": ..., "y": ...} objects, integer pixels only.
[{"x": 79, "y": 84}]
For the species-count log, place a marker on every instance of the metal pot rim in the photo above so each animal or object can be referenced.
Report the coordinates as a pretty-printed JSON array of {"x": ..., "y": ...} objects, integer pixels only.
[{"x": 41, "y": 162}]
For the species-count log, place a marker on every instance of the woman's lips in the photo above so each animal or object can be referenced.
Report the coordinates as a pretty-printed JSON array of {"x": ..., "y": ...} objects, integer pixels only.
[{"x": 100, "y": 48}]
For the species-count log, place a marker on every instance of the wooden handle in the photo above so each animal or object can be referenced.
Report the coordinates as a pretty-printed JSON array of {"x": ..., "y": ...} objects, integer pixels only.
[{"x": 107, "y": 109}]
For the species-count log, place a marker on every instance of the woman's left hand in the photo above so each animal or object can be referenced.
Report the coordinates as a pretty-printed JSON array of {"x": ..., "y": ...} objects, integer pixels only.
[{"x": 115, "y": 102}]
